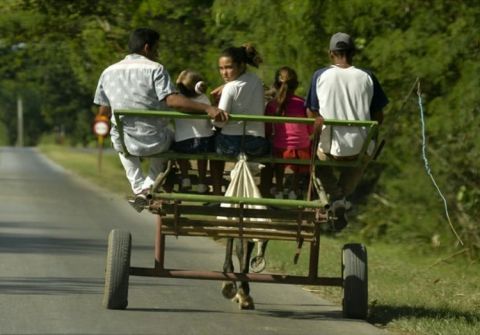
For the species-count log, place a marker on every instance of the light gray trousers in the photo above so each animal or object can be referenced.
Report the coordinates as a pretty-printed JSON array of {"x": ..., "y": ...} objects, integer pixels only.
[{"x": 133, "y": 170}]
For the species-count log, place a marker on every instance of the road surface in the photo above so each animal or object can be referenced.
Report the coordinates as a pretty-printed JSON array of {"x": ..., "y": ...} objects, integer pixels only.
[{"x": 53, "y": 233}]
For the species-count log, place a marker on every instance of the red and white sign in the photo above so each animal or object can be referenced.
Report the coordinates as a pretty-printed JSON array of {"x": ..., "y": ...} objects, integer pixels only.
[{"x": 101, "y": 126}]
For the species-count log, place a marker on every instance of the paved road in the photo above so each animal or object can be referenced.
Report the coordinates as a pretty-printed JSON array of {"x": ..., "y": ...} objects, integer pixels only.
[{"x": 53, "y": 231}]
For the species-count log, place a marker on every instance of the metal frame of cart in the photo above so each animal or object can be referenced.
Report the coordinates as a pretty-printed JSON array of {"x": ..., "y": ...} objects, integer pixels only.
[{"x": 182, "y": 214}]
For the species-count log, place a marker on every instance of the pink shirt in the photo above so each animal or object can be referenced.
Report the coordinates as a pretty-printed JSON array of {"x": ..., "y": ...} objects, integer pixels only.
[{"x": 289, "y": 135}]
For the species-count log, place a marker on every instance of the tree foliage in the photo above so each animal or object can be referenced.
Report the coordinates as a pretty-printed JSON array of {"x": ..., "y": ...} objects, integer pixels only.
[{"x": 53, "y": 51}]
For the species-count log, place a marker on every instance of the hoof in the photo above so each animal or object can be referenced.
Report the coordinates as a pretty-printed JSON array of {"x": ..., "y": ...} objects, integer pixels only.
[
  {"x": 244, "y": 301},
  {"x": 258, "y": 264},
  {"x": 229, "y": 290}
]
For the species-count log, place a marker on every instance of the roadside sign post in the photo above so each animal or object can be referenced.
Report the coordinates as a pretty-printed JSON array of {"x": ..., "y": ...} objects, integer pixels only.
[{"x": 100, "y": 128}]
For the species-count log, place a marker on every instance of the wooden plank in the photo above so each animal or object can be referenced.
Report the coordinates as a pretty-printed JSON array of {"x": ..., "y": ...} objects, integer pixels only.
[
  {"x": 269, "y": 213},
  {"x": 212, "y": 222},
  {"x": 220, "y": 199},
  {"x": 219, "y": 232}
]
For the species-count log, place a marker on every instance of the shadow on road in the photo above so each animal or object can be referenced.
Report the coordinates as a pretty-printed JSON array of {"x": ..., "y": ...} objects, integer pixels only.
[
  {"x": 41, "y": 244},
  {"x": 50, "y": 285},
  {"x": 23, "y": 243},
  {"x": 262, "y": 312}
]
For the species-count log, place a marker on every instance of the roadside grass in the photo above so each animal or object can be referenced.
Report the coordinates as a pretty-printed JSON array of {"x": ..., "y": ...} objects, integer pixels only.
[
  {"x": 84, "y": 162},
  {"x": 410, "y": 292}
]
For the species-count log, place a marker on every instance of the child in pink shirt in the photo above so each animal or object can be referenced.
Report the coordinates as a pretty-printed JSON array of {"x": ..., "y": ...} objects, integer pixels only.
[{"x": 289, "y": 140}]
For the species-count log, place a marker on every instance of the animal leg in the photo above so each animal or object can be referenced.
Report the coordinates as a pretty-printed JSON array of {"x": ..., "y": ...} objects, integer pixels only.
[
  {"x": 244, "y": 252},
  {"x": 258, "y": 263},
  {"x": 229, "y": 288},
  {"x": 244, "y": 301}
]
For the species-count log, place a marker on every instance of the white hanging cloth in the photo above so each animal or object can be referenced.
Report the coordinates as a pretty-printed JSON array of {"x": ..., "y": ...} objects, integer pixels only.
[{"x": 242, "y": 184}]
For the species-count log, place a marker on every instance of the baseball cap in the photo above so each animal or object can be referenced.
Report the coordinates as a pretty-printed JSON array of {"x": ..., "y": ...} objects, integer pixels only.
[{"x": 341, "y": 42}]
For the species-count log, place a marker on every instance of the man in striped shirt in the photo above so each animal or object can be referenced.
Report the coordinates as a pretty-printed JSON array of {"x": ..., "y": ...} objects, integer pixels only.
[{"x": 140, "y": 82}]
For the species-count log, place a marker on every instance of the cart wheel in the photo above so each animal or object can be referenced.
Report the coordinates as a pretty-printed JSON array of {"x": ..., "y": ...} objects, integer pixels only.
[
  {"x": 115, "y": 295},
  {"x": 355, "y": 281}
]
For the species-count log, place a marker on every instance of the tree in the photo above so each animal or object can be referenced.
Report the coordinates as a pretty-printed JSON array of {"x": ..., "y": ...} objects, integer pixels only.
[
  {"x": 436, "y": 41},
  {"x": 53, "y": 52}
]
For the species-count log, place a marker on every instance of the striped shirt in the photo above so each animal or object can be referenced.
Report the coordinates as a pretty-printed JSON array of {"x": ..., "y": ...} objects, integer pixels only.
[{"x": 137, "y": 82}]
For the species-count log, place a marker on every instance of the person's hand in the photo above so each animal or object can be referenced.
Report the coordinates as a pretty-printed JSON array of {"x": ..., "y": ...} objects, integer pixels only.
[
  {"x": 318, "y": 125},
  {"x": 215, "y": 94},
  {"x": 217, "y": 114}
]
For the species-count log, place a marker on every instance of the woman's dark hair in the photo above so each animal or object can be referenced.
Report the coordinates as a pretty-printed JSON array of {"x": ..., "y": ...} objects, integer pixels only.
[
  {"x": 285, "y": 83},
  {"x": 141, "y": 36},
  {"x": 245, "y": 54}
]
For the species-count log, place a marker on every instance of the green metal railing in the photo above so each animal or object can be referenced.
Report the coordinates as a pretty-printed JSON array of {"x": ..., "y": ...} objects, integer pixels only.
[
  {"x": 238, "y": 200},
  {"x": 371, "y": 126}
]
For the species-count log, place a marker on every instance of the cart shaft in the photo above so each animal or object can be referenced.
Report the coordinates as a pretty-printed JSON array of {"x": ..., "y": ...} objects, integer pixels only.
[{"x": 235, "y": 276}]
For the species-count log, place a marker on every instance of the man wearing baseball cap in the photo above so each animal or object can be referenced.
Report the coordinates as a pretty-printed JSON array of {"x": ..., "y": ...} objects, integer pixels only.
[{"x": 342, "y": 91}]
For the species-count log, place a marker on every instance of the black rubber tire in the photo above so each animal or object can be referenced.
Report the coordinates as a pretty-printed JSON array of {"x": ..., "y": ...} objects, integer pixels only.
[
  {"x": 117, "y": 269},
  {"x": 355, "y": 281}
]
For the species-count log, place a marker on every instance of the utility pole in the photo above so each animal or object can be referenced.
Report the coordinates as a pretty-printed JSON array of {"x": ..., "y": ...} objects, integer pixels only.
[{"x": 19, "y": 121}]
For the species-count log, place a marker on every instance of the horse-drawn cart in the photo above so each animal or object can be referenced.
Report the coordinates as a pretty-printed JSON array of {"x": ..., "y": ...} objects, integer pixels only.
[{"x": 184, "y": 214}]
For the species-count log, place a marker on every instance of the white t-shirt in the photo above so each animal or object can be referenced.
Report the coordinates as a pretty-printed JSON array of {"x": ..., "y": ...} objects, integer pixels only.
[
  {"x": 243, "y": 95},
  {"x": 344, "y": 94},
  {"x": 191, "y": 128}
]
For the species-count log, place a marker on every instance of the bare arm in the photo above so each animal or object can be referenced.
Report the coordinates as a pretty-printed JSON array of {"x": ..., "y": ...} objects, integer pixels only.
[
  {"x": 318, "y": 124},
  {"x": 377, "y": 116},
  {"x": 104, "y": 111},
  {"x": 182, "y": 103},
  {"x": 215, "y": 94}
]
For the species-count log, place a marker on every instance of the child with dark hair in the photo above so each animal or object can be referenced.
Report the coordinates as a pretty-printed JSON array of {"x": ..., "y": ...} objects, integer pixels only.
[
  {"x": 289, "y": 140},
  {"x": 193, "y": 136}
]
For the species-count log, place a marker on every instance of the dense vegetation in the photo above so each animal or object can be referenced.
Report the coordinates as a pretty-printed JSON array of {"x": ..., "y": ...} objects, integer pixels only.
[{"x": 53, "y": 51}]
